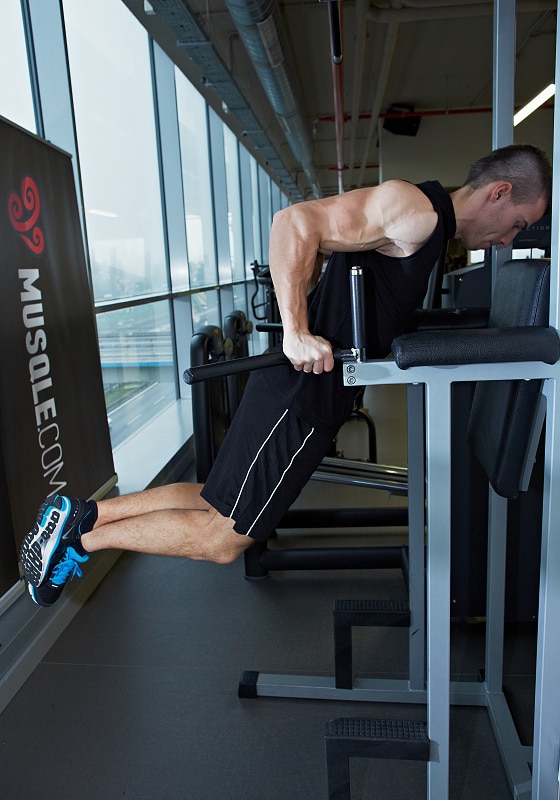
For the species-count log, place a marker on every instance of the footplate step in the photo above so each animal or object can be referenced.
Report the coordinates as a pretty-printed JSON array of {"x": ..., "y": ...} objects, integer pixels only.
[
  {"x": 347, "y": 738},
  {"x": 353, "y": 613}
]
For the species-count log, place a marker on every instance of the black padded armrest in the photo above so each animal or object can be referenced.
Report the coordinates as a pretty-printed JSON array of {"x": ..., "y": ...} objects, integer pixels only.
[
  {"x": 478, "y": 346},
  {"x": 427, "y": 319}
]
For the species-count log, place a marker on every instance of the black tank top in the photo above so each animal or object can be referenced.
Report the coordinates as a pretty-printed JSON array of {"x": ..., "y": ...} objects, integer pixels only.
[{"x": 394, "y": 289}]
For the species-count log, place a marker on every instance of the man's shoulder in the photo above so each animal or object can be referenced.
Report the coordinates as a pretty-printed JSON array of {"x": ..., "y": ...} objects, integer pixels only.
[{"x": 404, "y": 194}]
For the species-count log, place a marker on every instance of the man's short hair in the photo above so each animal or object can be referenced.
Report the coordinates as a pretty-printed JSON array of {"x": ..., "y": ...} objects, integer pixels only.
[{"x": 526, "y": 167}]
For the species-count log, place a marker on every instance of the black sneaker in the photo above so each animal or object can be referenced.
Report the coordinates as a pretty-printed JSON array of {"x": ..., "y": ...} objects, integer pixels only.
[
  {"x": 60, "y": 523},
  {"x": 66, "y": 569}
]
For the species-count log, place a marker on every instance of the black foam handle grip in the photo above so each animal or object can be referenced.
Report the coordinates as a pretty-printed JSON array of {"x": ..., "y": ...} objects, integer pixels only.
[{"x": 222, "y": 368}]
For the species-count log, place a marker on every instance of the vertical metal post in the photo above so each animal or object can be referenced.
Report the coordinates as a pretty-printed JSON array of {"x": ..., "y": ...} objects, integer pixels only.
[
  {"x": 438, "y": 448},
  {"x": 416, "y": 535},
  {"x": 495, "y": 591},
  {"x": 546, "y": 738},
  {"x": 503, "y": 93},
  {"x": 357, "y": 300}
]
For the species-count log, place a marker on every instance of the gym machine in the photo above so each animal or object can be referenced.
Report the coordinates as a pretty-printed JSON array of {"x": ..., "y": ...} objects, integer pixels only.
[{"x": 514, "y": 362}]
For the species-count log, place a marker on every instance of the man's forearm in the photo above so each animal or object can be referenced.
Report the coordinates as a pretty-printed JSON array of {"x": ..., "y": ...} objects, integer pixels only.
[{"x": 293, "y": 267}]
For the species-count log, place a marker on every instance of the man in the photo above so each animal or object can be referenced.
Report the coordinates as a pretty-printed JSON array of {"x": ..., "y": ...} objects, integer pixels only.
[{"x": 289, "y": 415}]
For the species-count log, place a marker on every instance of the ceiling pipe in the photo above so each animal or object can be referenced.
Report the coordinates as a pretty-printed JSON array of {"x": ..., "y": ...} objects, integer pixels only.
[
  {"x": 429, "y": 112},
  {"x": 337, "y": 70},
  {"x": 359, "y": 47},
  {"x": 262, "y": 31}
]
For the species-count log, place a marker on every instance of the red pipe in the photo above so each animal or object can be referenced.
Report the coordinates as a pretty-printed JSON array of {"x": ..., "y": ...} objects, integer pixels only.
[{"x": 434, "y": 113}]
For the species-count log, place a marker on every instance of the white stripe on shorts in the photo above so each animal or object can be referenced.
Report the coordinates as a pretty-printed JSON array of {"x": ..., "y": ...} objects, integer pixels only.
[
  {"x": 254, "y": 461},
  {"x": 280, "y": 481}
]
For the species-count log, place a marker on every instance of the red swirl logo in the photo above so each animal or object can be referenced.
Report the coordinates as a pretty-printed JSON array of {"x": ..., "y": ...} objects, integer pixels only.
[{"x": 23, "y": 211}]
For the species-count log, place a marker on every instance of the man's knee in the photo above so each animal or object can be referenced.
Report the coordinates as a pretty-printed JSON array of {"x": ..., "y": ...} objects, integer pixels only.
[{"x": 226, "y": 545}]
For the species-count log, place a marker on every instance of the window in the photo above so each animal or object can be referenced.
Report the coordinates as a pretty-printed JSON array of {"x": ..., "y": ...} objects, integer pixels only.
[
  {"x": 135, "y": 241},
  {"x": 234, "y": 214},
  {"x": 112, "y": 89},
  {"x": 137, "y": 363},
  {"x": 193, "y": 134},
  {"x": 250, "y": 209},
  {"x": 115, "y": 123},
  {"x": 266, "y": 212},
  {"x": 205, "y": 309},
  {"x": 261, "y": 254},
  {"x": 16, "y": 103}
]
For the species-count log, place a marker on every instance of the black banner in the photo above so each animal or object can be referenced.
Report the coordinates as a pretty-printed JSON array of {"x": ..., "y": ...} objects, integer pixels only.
[{"x": 53, "y": 424}]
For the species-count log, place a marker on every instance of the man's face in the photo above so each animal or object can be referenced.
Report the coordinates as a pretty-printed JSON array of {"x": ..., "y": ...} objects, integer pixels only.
[{"x": 499, "y": 222}]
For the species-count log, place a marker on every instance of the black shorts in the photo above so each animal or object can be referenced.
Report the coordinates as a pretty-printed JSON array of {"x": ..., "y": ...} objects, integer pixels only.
[{"x": 266, "y": 459}]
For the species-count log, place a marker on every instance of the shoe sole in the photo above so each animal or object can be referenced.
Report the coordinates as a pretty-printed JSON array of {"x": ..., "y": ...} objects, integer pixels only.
[
  {"x": 40, "y": 544},
  {"x": 35, "y": 597}
]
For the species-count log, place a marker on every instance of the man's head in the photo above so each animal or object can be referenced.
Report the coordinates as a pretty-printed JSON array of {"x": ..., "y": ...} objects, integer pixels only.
[
  {"x": 505, "y": 192},
  {"x": 526, "y": 167}
]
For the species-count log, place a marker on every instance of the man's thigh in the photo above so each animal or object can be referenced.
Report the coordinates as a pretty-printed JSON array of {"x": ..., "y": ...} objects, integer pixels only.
[{"x": 265, "y": 461}]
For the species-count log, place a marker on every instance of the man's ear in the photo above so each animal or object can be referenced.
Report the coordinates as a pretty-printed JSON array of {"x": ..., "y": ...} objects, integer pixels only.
[{"x": 500, "y": 189}]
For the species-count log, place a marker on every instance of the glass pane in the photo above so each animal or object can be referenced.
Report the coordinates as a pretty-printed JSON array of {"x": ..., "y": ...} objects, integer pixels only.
[
  {"x": 247, "y": 209},
  {"x": 113, "y": 103},
  {"x": 266, "y": 215},
  {"x": 240, "y": 298},
  {"x": 137, "y": 365},
  {"x": 234, "y": 206},
  {"x": 205, "y": 309},
  {"x": 193, "y": 134},
  {"x": 16, "y": 101},
  {"x": 276, "y": 201},
  {"x": 261, "y": 257}
]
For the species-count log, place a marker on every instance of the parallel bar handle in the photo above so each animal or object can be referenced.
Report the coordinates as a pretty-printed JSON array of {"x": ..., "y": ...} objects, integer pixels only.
[
  {"x": 220, "y": 369},
  {"x": 269, "y": 327}
]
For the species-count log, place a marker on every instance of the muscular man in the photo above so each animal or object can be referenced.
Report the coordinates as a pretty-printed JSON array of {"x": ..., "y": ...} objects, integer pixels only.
[{"x": 290, "y": 414}]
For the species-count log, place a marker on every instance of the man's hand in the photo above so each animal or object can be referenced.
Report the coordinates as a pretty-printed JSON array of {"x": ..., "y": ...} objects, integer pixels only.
[{"x": 308, "y": 353}]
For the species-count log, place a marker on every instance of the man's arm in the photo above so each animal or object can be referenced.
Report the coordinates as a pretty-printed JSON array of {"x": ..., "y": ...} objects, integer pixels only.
[{"x": 395, "y": 218}]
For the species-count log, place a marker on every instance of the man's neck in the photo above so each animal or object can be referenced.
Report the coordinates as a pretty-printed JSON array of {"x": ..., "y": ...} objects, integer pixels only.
[{"x": 466, "y": 203}]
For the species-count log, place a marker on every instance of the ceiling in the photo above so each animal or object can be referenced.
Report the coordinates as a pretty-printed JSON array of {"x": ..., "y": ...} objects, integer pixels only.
[{"x": 314, "y": 125}]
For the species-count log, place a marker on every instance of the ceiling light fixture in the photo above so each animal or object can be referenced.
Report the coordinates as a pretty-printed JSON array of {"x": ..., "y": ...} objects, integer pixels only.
[{"x": 533, "y": 104}]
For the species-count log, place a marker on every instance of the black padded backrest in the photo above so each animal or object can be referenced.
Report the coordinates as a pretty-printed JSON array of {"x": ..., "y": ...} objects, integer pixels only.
[
  {"x": 237, "y": 329},
  {"x": 503, "y": 412},
  {"x": 209, "y": 400},
  {"x": 215, "y": 400}
]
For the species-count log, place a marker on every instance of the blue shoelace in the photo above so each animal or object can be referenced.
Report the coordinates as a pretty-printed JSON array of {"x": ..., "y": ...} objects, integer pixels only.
[{"x": 68, "y": 568}]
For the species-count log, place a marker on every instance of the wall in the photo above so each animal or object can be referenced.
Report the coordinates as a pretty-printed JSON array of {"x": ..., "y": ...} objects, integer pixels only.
[{"x": 445, "y": 146}]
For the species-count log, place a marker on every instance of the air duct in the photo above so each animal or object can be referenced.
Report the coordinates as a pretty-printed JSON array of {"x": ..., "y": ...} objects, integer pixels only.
[
  {"x": 261, "y": 29},
  {"x": 191, "y": 37}
]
